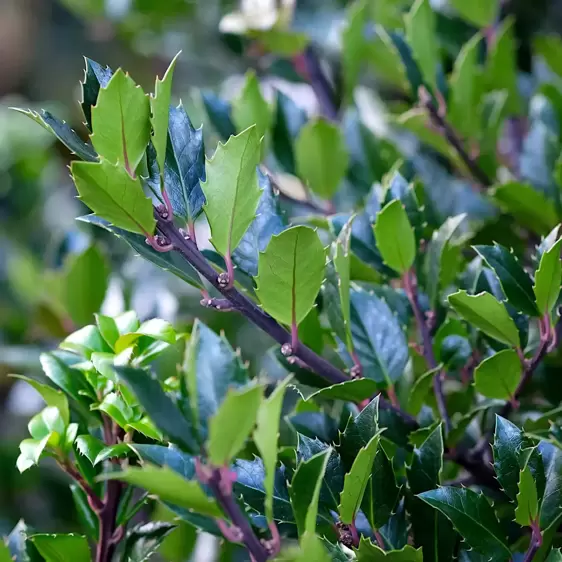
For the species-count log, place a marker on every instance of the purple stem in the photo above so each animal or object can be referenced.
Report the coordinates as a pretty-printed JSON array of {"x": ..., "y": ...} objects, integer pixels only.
[{"x": 320, "y": 85}]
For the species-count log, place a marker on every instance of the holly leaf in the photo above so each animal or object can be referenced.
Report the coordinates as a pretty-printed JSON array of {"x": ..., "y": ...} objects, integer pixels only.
[
  {"x": 527, "y": 500},
  {"x": 378, "y": 338},
  {"x": 464, "y": 89},
  {"x": 382, "y": 492},
  {"x": 169, "y": 486},
  {"x": 159, "y": 406},
  {"x": 356, "y": 480},
  {"x": 63, "y": 132},
  {"x": 220, "y": 114},
  {"x": 160, "y": 109},
  {"x": 547, "y": 278},
  {"x": 96, "y": 77},
  {"x": 232, "y": 190},
  {"x": 478, "y": 12},
  {"x": 474, "y": 519},
  {"x": 550, "y": 515},
  {"x": 486, "y": 313},
  {"x": 184, "y": 165},
  {"x": 225, "y": 437},
  {"x": 321, "y": 157},
  {"x": 168, "y": 261},
  {"x": 54, "y": 548},
  {"x": 266, "y": 438},
  {"x": 210, "y": 368},
  {"x": 422, "y": 38},
  {"x": 114, "y": 195},
  {"x": 267, "y": 223},
  {"x": 420, "y": 390},
  {"x": 359, "y": 431},
  {"x": 395, "y": 237},
  {"x": 529, "y": 206},
  {"x": 305, "y": 490},
  {"x": 290, "y": 273},
  {"x": 250, "y": 108},
  {"x": 349, "y": 391},
  {"x": 441, "y": 240},
  {"x": 120, "y": 122},
  {"x": 498, "y": 376},
  {"x": 516, "y": 284},
  {"x": 144, "y": 539},
  {"x": 30, "y": 452}
]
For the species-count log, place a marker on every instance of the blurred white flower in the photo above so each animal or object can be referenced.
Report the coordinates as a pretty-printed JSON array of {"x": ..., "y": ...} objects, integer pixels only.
[{"x": 257, "y": 15}]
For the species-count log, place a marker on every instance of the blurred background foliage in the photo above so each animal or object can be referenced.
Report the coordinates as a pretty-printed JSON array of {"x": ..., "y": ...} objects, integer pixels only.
[{"x": 55, "y": 273}]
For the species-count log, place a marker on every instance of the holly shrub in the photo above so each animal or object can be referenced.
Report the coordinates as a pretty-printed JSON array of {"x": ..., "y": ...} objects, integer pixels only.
[{"x": 409, "y": 281}]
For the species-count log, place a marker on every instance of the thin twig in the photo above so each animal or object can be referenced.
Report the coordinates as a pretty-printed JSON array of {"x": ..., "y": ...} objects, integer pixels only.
[
  {"x": 450, "y": 134},
  {"x": 410, "y": 288},
  {"x": 94, "y": 501}
]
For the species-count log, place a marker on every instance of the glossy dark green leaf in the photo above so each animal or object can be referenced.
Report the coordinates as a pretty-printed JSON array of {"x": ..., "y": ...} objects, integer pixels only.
[
  {"x": 144, "y": 539},
  {"x": 210, "y": 368},
  {"x": 395, "y": 532},
  {"x": 184, "y": 166},
  {"x": 352, "y": 391},
  {"x": 332, "y": 483},
  {"x": 413, "y": 71},
  {"x": 474, "y": 519},
  {"x": 509, "y": 444},
  {"x": 516, "y": 284},
  {"x": 86, "y": 515},
  {"x": 267, "y": 223},
  {"x": 305, "y": 490},
  {"x": 96, "y": 77},
  {"x": 289, "y": 119},
  {"x": 359, "y": 431},
  {"x": 382, "y": 493},
  {"x": 168, "y": 261},
  {"x": 63, "y": 132},
  {"x": 220, "y": 114},
  {"x": 378, "y": 338},
  {"x": 550, "y": 514},
  {"x": 160, "y": 407}
]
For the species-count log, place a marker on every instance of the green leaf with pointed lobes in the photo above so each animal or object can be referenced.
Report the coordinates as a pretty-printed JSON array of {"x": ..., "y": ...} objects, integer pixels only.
[
  {"x": 290, "y": 273},
  {"x": 231, "y": 189},
  {"x": 121, "y": 122},
  {"x": 114, "y": 195},
  {"x": 250, "y": 108},
  {"x": 486, "y": 313},
  {"x": 548, "y": 278},
  {"x": 498, "y": 375},
  {"x": 527, "y": 500},
  {"x": 342, "y": 264},
  {"x": 395, "y": 237},
  {"x": 160, "y": 111}
]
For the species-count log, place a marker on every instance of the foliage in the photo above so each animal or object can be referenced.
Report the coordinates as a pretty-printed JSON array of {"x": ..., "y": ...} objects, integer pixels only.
[{"x": 404, "y": 412}]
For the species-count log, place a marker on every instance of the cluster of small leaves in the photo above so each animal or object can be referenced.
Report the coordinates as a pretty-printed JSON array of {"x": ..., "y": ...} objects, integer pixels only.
[{"x": 380, "y": 428}]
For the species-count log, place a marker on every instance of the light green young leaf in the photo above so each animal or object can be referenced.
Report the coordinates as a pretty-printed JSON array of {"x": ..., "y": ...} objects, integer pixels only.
[
  {"x": 550, "y": 48},
  {"x": 113, "y": 195},
  {"x": 108, "y": 329},
  {"x": 5, "y": 555},
  {"x": 321, "y": 157},
  {"x": 160, "y": 112},
  {"x": 52, "y": 396},
  {"x": 62, "y": 548},
  {"x": 464, "y": 94},
  {"x": 548, "y": 278},
  {"x": 478, "y": 12},
  {"x": 232, "y": 189},
  {"x": 155, "y": 328},
  {"x": 305, "y": 490},
  {"x": 369, "y": 552},
  {"x": 356, "y": 480},
  {"x": 528, "y": 205},
  {"x": 232, "y": 424},
  {"x": 89, "y": 446},
  {"x": 555, "y": 555},
  {"x": 169, "y": 486},
  {"x": 121, "y": 122},
  {"x": 527, "y": 499},
  {"x": 266, "y": 438},
  {"x": 250, "y": 108},
  {"x": 117, "y": 409},
  {"x": 30, "y": 452},
  {"x": 422, "y": 37},
  {"x": 47, "y": 422},
  {"x": 420, "y": 390},
  {"x": 498, "y": 375},
  {"x": 290, "y": 273},
  {"x": 395, "y": 237},
  {"x": 85, "y": 283},
  {"x": 501, "y": 69},
  {"x": 486, "y": 313}
]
